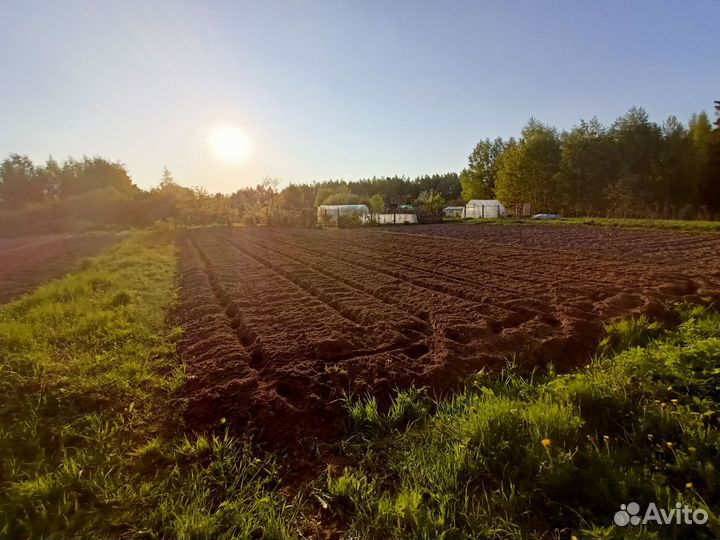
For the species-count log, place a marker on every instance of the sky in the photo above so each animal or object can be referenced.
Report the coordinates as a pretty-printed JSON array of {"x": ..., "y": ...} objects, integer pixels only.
[{"x": 334, "y": 88}]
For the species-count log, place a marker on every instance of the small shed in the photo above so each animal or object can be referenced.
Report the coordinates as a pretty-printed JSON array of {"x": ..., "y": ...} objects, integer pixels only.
[
  {"x": 484, "y": 208},
  {"x": 453, "y": 211},
  {"x": 330, "y": 213}
]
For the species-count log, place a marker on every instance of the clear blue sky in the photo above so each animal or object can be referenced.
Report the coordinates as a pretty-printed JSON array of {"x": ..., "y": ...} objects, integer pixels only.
[{"x": 334, "y": 88}]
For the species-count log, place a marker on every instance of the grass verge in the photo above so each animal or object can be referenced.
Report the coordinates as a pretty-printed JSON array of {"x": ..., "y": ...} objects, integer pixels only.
[
  {"x": 546, "y": 456},
  {"x": 89, "y": 416}
]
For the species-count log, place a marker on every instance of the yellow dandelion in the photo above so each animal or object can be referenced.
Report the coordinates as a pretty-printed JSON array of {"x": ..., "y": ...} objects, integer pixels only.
[
  {"x": 669, "y": 444},
  {"x": 606, "y": 437},
  {"x": 691, "y": 449},
  {"x": 689, "y": 485},
  {"x": 673, "y": 400},
  {"x": 663, "y": 405},
  {"x": 546, "y": 442},
  {"x": 669, "y": 387},
  {"x": 573, "y": 537}
]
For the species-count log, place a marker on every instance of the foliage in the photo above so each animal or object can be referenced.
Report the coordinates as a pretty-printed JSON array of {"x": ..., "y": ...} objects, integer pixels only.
[
  {"x": 342, "y": 198},
  {"x": 586, "y": 166},
  {"x": 297, "y": 197},
  {"x": 634, "y": 168},
  {"x": 628, "y": 333},
  {"x": 429, "y": 206},
  {"x": 529, "y": 171},
  {"x": 376, "y": 203},
  {"x": 22, "y": 183},
  {"x": 479, "y": 178},
  {"x": 329, "y": 189}
]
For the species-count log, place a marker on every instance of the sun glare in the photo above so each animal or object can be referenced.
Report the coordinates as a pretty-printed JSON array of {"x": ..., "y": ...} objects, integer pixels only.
[{"x": 230, "y": 144}]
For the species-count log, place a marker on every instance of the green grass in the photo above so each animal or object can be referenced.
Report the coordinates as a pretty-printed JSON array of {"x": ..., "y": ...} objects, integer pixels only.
[
  {"x": 674, "y": 224},
  {"x": 518, "y": 456},
  {"x": 90, "y": 430}
]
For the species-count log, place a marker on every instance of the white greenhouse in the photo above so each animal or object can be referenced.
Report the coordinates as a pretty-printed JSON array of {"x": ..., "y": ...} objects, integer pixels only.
[
  {"x": 394, "y": 219},
  {"x": 484, "y": 208},
  {"x": 329, "y": 213},
  {"x": 453, "y": 211}
]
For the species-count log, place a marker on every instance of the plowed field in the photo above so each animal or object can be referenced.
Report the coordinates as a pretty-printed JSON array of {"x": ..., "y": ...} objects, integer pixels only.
[
  {"x": 280, "y": 322},
  {"x": 26, "y": 263}
]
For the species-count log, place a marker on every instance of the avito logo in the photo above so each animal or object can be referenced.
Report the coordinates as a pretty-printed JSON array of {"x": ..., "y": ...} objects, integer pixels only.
[{"x": 629, "y": 514}]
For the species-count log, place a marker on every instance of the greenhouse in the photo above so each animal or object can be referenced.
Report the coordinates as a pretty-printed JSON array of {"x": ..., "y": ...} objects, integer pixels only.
[
  {"x": 332, "y": 213},
  {"x": 484, "y": 208},
  {"x": 453, "y": 211}
]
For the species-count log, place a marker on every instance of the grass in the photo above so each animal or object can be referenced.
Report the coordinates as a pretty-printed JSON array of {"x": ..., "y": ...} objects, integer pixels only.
[
  {"x": 518, "y": 456},
  {"x": 674, "y": 224},
  {"x": 89, "y": 423}
]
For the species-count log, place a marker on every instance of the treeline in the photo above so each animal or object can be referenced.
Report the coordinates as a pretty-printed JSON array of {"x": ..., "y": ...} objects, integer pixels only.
[
  {"x": 633, "y": 168},
  {"x": 93, "y": 193},
  {"x": 56, "y": 197},
  {"x": 383, "y": 193},
  {"x": 295, "y": 204}
]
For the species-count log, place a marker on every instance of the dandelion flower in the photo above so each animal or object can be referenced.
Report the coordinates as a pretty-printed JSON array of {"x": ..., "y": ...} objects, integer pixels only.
[
  {"x": 673, "y": 400},
  {"x": 546, "y": 442},
  {"x": 573, "y": 537},
  {"x": 691, "y": 449},
  {"x": 669, "y": 387},
  {"x": 689, "y": 485},
  {"x": 669, "y": 444},
  {"x": 606, "y": 437}
]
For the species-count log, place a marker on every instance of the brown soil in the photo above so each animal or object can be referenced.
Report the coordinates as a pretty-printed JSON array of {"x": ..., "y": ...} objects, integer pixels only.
[
  {"x": 280, "y": 322},
  {"x": 26, "y": 263}
]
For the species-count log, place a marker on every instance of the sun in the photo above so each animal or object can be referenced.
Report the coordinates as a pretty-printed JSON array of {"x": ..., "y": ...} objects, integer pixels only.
[{"x": 229, "y": 144}]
